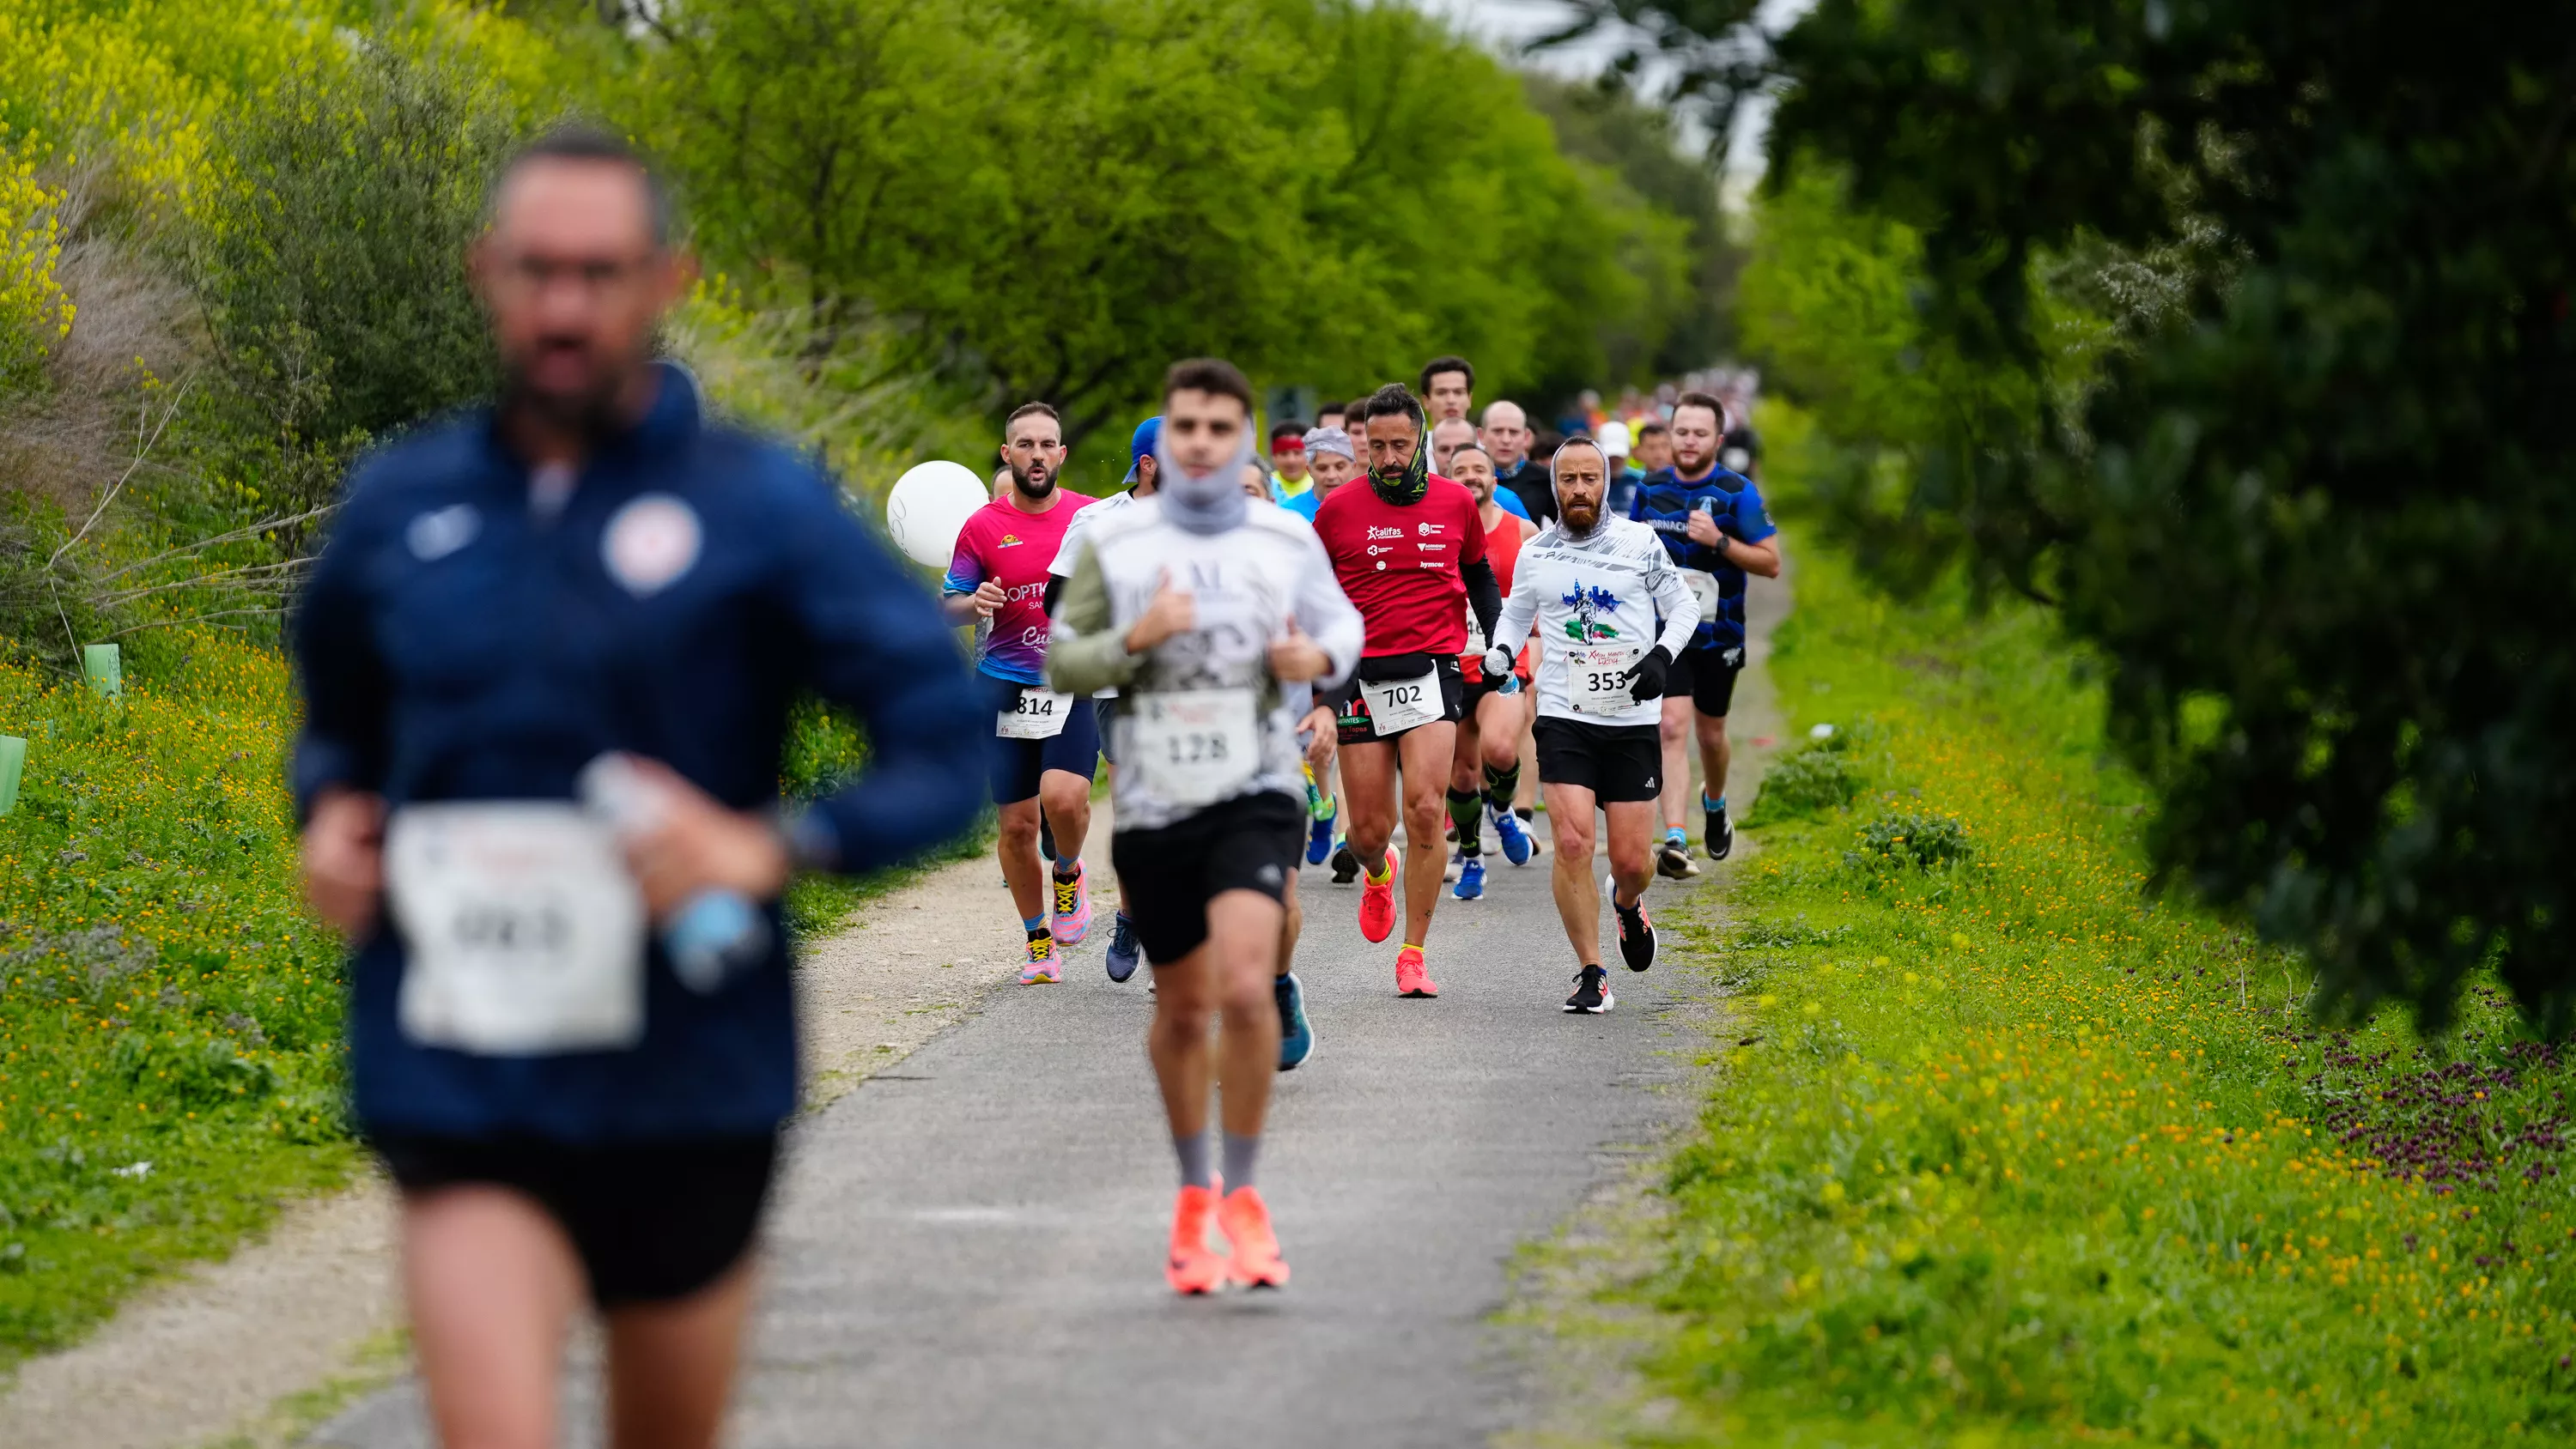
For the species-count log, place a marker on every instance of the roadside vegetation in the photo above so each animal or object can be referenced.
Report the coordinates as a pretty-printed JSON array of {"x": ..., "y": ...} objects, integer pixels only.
[
  {"x": 229, "y": 263},
  {"x": 2007, "y": 1149}
]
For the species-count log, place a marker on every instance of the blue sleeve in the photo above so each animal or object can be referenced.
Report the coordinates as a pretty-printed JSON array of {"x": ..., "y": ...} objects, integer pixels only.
[
  {"x": 965, "y": 571},
  {"x": 345, "y": 738},
  {"x": 1752, "y": 522},
  {"x": 1510, "y": 503},
  {"x": 876, "y": 644}
]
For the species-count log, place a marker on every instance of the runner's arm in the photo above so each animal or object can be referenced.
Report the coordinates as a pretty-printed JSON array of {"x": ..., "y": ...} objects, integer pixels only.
[
  {"x": 1484, "y": 594},
  {"x": 1520, "y": 614},
  {"x": 1086, "y": 651},
  {"x": 345, "y": 741},
  {"x": 957, "y": 590},
  {"x": 1754, "y": 558},
  {"x": 1325, "y": 613},
  {"x": 875, "y": 644},
  {"x": 1673, "y": 600}
]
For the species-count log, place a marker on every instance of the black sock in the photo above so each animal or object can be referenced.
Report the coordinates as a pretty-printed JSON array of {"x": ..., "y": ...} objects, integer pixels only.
[
  {"x": 1526, "y": 814},
  {"x": 1502, "y": 785},
  {"x": 1466, "y": 812}
]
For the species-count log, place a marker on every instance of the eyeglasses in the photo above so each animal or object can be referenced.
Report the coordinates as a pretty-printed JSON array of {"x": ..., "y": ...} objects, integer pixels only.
[{"x": 530, "y": 273}]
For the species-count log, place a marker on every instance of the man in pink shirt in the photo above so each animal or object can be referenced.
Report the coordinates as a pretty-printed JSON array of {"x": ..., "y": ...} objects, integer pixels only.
[{"x": 1046, "y": 744}]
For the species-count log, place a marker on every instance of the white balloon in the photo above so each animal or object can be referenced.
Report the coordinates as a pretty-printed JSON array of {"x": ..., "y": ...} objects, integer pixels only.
[{"x": 929, "y": 506}]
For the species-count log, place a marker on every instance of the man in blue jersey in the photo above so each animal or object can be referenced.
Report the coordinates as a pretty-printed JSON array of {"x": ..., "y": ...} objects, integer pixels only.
[
  {"x": 1712, "y": 522},
  {"x": 548, "y": 658}
]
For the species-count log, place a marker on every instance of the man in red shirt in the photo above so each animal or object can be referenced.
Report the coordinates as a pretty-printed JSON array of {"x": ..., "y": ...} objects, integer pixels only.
[
  {"x": 1409, "y": 550},
  {"x": 1048, "y": 744}
]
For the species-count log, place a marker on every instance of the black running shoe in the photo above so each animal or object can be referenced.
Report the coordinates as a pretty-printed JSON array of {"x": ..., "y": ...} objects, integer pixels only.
[
  {"x": 1636, "y": 935},
  {"x": 1672, "y": 860},
  {"x": 1591, "y": 992},
  {"x": 1721, "y": 834},
  {"x": 1346, "y": 866}
]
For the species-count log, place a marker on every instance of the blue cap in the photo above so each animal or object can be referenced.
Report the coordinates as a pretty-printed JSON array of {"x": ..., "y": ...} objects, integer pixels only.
[{"x": 1141, "y": 446}]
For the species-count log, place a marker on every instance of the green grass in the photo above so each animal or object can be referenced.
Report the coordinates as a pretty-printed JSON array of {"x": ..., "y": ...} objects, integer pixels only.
[
  {"x": 169, "y": 1015},
  {"x": 2001, "y": 1150}
]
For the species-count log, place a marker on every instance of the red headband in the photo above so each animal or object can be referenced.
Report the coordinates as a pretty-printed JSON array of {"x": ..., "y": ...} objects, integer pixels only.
[{"x": 1286, "y": 444}]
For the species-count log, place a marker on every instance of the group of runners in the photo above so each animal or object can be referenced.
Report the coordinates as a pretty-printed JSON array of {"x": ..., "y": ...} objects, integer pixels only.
[{"x": 549, "y": 656}]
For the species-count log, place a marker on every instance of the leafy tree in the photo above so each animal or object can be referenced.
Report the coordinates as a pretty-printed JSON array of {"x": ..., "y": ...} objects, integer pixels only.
[
  {"x": 331, "y": 255},
  {"x": 2310, "y": 495},
  {"x": 1607, "y": 125},
  {"x": 1052, "y": 199}
]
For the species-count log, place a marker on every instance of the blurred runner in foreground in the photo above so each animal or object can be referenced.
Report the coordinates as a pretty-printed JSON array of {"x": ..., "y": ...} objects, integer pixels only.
[{"x": 547, "y": 660}]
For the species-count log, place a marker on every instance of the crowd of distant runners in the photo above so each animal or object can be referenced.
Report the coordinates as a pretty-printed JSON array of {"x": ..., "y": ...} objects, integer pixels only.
[{"x": 549, "y": 656}]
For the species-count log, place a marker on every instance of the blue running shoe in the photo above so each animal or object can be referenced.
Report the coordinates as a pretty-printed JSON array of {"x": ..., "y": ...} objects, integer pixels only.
[
  {"x": 1507, "y": 828},
  {"x": 1319, "y": 836},
  {"x": 1124, "y": 953},
  {"x": 1296, "y": 1036},
  {"x": 1471, "y": 878}
]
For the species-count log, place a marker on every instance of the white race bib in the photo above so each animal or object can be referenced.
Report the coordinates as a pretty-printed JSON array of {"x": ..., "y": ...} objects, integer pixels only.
[
  {"x": 1397, "y": 705},
  {"x": 1193, "y": 747},
  {"x": 1703, "y": 587},
  {"x": 526, "y": 932},
  {"x": 1035, "y": 714},
  {"x": 1597, "y": 677}
]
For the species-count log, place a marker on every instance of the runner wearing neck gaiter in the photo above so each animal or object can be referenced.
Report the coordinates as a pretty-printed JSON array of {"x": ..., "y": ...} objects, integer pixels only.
[{"x": 1211, "y": 612}]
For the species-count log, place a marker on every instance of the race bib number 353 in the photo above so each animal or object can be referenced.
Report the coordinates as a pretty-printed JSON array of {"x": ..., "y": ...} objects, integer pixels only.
[
  {"x": 526, "y": 932},
  {"x": 1597, "y": 678}
]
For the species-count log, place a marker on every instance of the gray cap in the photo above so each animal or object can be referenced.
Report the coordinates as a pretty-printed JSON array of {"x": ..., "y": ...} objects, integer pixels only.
[{"x": 1330, "y": 440}]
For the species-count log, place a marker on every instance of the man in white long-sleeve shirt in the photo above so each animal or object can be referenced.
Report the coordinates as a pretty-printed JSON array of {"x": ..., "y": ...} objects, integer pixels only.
[{"x": 1595, "y": 585}]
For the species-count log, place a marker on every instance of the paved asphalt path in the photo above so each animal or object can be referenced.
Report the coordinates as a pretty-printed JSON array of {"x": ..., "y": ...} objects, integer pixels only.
[{"x": 968, "y": 1250}]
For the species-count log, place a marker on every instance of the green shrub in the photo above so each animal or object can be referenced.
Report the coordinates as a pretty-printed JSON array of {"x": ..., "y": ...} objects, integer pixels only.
[
  {"x": 1815, "y": 780},
  {"x": 1925, "y": 842},
  {"x": 331, "y": 258}
]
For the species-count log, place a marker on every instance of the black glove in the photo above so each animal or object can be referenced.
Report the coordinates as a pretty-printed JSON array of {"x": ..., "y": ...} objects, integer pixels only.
[{"x": 1646, "y": 681}]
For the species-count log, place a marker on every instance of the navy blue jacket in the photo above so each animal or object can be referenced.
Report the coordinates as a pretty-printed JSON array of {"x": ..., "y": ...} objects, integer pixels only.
[{"x": 453, "y": 647}]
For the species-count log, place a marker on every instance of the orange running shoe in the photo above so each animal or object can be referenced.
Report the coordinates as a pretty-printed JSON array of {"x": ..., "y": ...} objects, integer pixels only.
[
  {"x": 1412, "y": 977},
  {"x": 1246, "y": 1221},
  {"x": 1193, "y": 1267},
  {"x": 1377, "y": 901}
]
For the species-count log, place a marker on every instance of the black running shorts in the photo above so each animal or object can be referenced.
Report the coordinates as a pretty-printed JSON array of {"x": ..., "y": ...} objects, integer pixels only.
[
  {"x": 1167, "y": 876},
  {"x": 1619, "y": 764},
  {"x": 652, "y": 1222},
  {"x": 1707, "y": 675},
  {"x": 1356, "y": 726}
]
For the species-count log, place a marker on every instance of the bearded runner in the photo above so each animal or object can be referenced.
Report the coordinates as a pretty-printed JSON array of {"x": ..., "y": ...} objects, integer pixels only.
[
  {"x": 1045, "y": 744},
  {"x": 1409, "y": 549},
  {"x": 1713, "y": 525},
  {"x": 1594, "y": 585}
]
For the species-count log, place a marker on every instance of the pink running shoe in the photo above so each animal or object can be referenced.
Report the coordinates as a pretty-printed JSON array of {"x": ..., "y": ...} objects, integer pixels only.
[
  {"x": 1377, "y": 901},
  {"x": 1412, "y": 976},
  {"x": 1072, "y": 907}
]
